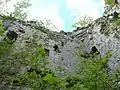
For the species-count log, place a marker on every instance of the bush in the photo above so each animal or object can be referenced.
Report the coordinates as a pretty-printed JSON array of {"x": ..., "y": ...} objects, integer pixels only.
[
  {"x": 37, "y": 75},
  {"x": 117, "y": 22},
  {"x": 93, "y": 72},
  {"x": 110, "y": 2}
]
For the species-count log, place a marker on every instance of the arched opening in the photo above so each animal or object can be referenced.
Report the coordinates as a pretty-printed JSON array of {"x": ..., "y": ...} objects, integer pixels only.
[
  {"x": 94, "y": 50},
  {"x": 12, "y": 35},
  {"x": 55, "y": 47}
]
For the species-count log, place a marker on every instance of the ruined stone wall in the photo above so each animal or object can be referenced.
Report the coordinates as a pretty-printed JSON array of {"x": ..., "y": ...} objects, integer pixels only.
[
  {"x": 104, "y": 35},
  {"x": 61, "y": 46}
]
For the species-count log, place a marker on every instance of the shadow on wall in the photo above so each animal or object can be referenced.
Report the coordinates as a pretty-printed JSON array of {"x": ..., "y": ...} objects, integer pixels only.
[
  {"x": 94, "y": 50},
  {"x": 47, "y": 51},
  {"x": 62, "y": 43},
  {"x": 56, "y": 48},
  {"x": 11, "y": 35}
]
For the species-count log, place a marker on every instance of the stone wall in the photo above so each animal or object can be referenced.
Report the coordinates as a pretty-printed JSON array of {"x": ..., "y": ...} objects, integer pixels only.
[
  {"x": 104, "y": 35},
  {"x": 67, "y": 43}
]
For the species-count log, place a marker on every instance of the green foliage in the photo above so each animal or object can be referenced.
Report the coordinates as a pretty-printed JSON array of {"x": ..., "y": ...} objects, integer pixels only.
[
  {"x": 19, "y": 12},
  {"x": 27, "y": 68},
  {"x": 9, "y": 17},
  {"x": 37, "y": 76},
  {"x": 93, "y": 72},
  {"x": 1, "y": 29},
  {"x": 83, "y": 22},
  {"x": 19, "y": 9},
  {"x": 2, "y": 34},
  {"x": 4, "y": 46},
  {"x": 117, "y": 22},
  {"x": 110, "y": 2}
]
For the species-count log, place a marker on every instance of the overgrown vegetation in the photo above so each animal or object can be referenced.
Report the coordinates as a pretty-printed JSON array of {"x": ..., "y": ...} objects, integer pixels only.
[
  {"x": 27, "y": 69},
  {"x": 83, "y": 22},
  {"x": 110, "y": 2},
  {"x": 36, "y": 75},
  {"x": 19, "y": 11},
  {"x": 110, "y": 26},
  {"x": 93, "y": 72},
  {"x": 117, "y": 22}
]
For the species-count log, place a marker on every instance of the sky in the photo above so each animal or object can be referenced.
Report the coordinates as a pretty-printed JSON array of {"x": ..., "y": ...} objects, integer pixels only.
[{"x": 64, "y": 13}]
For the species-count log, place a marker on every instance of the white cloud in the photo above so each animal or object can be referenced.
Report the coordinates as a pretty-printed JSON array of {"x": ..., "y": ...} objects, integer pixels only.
[
  {"x": 10, "y": 5},
  {"x": 39, "y": 11},
  {"x": 49, "y": 12},
  {"x": 78, "y": 8},
  {"x": 83, "y": 7}
]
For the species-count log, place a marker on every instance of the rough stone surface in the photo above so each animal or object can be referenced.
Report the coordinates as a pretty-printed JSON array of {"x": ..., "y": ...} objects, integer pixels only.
[{"x": 68, "y": 42}]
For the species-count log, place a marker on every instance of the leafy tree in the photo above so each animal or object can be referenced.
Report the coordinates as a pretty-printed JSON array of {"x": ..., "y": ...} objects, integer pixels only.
[
  {"x": 19, "y": 8},
  {"x": 83, "y": 22},
  {"x": 93, "y": 72},
  {"x": 3, "y": 6},
  {"x": 19, "y": 11},
  {"x": 37, "y": 75}
]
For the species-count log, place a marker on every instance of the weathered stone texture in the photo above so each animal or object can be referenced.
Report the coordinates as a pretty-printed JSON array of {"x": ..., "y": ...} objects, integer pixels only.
[{"x": 68, "y": 42}]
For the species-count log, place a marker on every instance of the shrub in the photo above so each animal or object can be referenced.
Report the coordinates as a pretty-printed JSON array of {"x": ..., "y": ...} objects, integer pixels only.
[
  {"x": 117, "y": 22},
  {"x": 93, "y": 72},
  {"x": 110, "y": 2}
]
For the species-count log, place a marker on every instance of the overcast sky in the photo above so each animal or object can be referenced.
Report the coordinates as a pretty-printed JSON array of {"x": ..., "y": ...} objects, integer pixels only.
[{"x": 63, "y": 13}]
